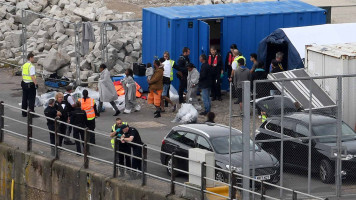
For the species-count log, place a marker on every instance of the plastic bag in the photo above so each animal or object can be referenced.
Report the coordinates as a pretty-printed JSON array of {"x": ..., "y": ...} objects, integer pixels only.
[
  {"x": 186, "y": 114},
  {"x": 47, "y": 96},
  {"x": 173, "y": 94}
]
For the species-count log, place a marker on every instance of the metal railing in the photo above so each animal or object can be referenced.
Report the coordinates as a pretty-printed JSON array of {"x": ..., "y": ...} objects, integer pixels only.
[{"x": 233, "y": 185}]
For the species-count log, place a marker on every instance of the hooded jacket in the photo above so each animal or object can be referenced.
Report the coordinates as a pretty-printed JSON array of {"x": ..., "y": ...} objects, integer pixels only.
[
  {"x": 156, "y": 82},
  {"x": 241, "y": 74}
]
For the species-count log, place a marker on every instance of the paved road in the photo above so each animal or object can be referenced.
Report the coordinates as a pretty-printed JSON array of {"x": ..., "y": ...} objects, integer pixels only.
[{"x": 152, "y": 132}]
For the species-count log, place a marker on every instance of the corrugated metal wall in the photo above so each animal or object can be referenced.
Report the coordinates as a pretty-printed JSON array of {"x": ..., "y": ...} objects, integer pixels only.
[{"x": 163, "y": 34}]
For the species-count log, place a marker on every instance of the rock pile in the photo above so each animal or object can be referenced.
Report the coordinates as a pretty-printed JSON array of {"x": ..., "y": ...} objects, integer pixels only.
[{"x": 53, "y": 42}]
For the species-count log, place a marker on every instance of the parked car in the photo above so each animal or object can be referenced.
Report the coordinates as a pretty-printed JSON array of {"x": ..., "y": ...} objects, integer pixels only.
[
  {"x": 296, "y": 125},
  {"x": 215, "y": 138}
]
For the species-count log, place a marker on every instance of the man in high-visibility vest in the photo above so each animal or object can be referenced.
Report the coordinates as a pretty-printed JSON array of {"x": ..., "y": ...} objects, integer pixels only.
[
  {"x": 122, "y": 147},
  {"x": 29, "y": 85},
  {"x": 234, "y": 65},
  {"x": 167, "y": 79}
]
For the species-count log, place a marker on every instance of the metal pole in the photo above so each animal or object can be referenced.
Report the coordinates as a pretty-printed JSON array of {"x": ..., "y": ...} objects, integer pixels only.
[
  {"x": 56, "y": 138},
  {"x": 246, "y": 138},
  {"x": 106, "y": 45},
  {"x": 172, "y": 173},
  {"x": 2, "y": 111},
  {"x": 29, "y": 130},
  {"x": 24, "y": 36},
  {"x": 77, "y": 55},
  {"x": 253, "y": 135},
  {"x": 338, "y": 129},
  {"x": 233, "y": 183},
  {"x": 115, "y": 158},
  {"x": 230, "y": 128},
  {"x": 294, "y": 195},
  {"x": 102, "y": 42},
  {"x": 310, "y": 132},
  {"x": 86, "y": 149},
  {"x": 144, "y": 164},
  {"x": 263, "y": 191},
  {"x": 282, "y": 142},
  {"x": 203, "y": 181}
]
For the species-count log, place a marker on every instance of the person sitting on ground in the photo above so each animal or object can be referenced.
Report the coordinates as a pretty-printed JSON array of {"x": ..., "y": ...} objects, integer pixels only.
[
  {"x": 156, "y": 88},
  {"x": 107, "y": 90},
  {"x": 210, "y": 117},
  {"x": 192, "y": 85},
  {"x": 129, "y": 86}
]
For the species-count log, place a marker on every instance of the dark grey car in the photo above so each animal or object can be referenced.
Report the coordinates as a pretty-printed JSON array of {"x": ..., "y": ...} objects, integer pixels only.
[
  {"x": 296, "y": 144},
  {"x": 215, "y": 138}
]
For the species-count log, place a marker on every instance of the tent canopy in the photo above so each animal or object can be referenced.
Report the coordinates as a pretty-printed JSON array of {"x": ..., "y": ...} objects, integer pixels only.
[{"x": 297, "y": 38}]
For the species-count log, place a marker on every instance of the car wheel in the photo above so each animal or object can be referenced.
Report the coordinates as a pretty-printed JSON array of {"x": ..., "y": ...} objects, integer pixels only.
[
  {"x": 326, "y": 171},
  {"x": 220, "y": 176},
  {"x": 169, "y": 165}
]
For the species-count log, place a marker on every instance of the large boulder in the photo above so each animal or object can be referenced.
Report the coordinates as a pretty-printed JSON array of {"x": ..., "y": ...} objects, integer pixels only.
[
  {"x": 55, "y": 60},
  {"x": 88, "y": 14},
  {"x": 14, "y": 39}
]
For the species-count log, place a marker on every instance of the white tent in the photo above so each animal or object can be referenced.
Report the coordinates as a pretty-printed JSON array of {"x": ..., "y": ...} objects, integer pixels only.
[{"x": 298, "y": 37}]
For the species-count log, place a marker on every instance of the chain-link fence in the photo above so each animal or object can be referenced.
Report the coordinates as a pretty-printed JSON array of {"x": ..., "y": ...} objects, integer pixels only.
[
  {"x": 59, "y": 48},
  {"x": 306, "y": 125}
]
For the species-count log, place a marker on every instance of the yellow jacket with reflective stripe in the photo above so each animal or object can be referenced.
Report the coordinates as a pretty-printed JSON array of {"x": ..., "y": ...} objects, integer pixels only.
[
  {"x": 237, "y": 58},
  {"x": 171, "y": 62},
  {"x": 113, "y": 130},
  {"x": 26, "y": 77}
]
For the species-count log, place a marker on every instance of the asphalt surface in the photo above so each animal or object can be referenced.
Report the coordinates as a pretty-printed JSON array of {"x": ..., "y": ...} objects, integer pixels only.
[{"x": 152, "y": 132}]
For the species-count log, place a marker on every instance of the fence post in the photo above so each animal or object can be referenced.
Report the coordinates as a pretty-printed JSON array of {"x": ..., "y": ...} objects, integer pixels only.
[
  {"x": 29, "y": 130},
  {"x": 86, "y": 149},
  {"x": 203, "y": 181},
  {"x": 144, "y": 164},
  {"x": 2, "y": 111},
  {"x": 294, "y": 196},
  {"x": 232, "y": 184},
  {"x": 115, "y": 158},
  {"x": 263, "y": 191},
  {"x": 56, "y": 138},
  {"x": 338, "y": 180},
  {"x": 246, "y": 139},
  {"x": 172, "y": 173}
]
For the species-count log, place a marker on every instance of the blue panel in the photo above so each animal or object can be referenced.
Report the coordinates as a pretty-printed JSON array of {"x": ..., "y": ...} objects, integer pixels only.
[
  {"x": 204, "y": 39},
  {"x": 244, "y": 24}
]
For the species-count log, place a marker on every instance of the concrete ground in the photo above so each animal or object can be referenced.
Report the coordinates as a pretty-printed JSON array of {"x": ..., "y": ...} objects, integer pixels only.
[{"x": 152, "y": 132}]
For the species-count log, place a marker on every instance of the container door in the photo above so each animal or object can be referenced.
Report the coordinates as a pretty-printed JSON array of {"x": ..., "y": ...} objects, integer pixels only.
[{"x": 204, "y": 38}]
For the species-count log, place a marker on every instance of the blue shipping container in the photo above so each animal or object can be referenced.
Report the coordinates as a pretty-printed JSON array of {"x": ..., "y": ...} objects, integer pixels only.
[{"x": 198, "y": 27}]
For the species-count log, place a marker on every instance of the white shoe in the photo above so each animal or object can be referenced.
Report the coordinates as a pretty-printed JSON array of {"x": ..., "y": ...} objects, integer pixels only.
[
  {"x": 137, "y": 108},
  {"x": 127, "y": 111}
]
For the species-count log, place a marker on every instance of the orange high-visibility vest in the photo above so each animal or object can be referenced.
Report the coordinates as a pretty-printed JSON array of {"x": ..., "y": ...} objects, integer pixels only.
[{"x": 88, "y": 107}]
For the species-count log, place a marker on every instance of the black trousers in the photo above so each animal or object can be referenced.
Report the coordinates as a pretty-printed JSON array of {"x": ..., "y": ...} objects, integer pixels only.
[
  {"x": 182, "y": 88},
  {"x": 76, "y": 134},
  {"x": 28, "y": 97},
  {"x": 52, "y": 136},
  {"x": 124, "y": 159},
  {"x": 91, "y": 126},
  {"x": 216, "y": 88},
  {"x": 137, "y": 163}
]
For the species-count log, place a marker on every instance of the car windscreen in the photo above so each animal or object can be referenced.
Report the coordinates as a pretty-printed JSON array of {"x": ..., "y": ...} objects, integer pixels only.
[
  {"x": 330, "y": 129},
  {"x": 221, "y": 144}
]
